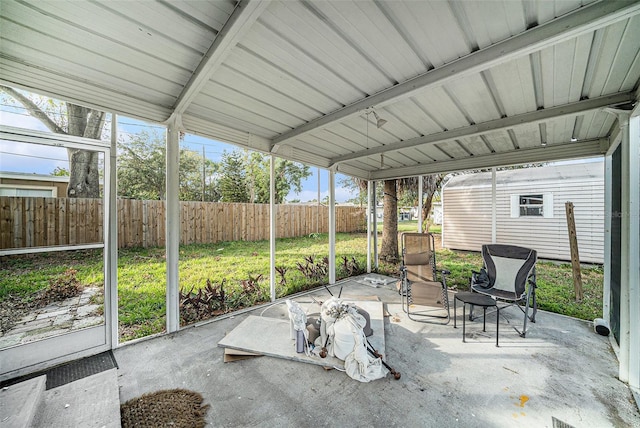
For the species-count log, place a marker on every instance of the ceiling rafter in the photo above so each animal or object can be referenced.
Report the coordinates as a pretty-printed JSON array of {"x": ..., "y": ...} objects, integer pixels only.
[
  {"x": 583, "y": 20},
  {"x": 496, "y": 125},
  {"x": 569, "y": 150},
  {"x": 240, "y": 22}
]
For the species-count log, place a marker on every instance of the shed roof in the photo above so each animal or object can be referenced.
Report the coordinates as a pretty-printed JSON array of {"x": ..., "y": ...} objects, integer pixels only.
[
  {"x": 33, "y": 176},
  {"x": 587, "y": 171},
  {"x": 461, "y": 84}
]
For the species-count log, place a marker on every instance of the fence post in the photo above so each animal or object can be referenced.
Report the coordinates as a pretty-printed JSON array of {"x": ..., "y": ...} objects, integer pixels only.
[{"x": 575, "y": 257}]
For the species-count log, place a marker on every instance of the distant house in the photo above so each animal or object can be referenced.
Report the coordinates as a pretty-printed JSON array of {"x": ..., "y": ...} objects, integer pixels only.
[
  {"x": 530, "y": 210},
  {"x": 436, "y": 213},
  {"x": 26, "y": 184}
]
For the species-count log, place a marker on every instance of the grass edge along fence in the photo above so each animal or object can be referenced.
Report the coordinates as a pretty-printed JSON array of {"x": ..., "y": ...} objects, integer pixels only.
[{"x": 37, "y": 221}]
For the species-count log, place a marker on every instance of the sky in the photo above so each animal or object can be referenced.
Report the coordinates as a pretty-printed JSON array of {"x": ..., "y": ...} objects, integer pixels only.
[{"x": 28, "y": 158}]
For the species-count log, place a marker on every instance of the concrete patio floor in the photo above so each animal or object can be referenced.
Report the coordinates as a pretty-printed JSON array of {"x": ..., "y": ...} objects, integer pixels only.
[{"x": 562, "y": 372}]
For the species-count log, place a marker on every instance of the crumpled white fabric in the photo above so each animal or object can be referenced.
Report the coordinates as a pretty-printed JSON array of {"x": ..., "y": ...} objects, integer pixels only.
[
  {"x": 344, "y": 333},
  {"x": 359, "y": 364},
  {"x": 347, "y": 342},
  {"x": 326, "y": 325}
]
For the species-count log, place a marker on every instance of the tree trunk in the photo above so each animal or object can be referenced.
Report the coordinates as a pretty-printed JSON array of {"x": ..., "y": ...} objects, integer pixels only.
[
  {"x": 426, "y": 210},
  {"x": 389, "y": 250},
  {"x": 84, "y": 179}
]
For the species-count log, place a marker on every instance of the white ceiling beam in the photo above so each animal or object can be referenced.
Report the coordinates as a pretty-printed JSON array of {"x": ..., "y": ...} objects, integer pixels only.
[
  {"x": 352, "y": 171},
  {"x": 587, "y": 18},
  {"x": 495, "y": 125},
  {"x": 555, "y": 152},
  {"x": 239, "y": 23}
]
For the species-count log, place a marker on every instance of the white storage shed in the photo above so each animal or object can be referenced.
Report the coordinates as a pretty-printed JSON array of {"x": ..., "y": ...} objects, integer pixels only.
[{"x": 529, "y": 210}]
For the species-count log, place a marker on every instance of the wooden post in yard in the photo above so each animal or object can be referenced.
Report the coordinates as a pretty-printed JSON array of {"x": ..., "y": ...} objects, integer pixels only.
[{"x": 575, "y": 257}]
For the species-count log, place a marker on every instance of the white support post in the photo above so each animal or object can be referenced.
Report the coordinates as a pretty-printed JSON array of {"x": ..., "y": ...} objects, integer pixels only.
[
  {"x": 332, "y": 227},
  {"x": 319, "y": 205},
  {"x": 375, "y": 225},
  {"x": 173, "y": 223},
  {"x": 624, "y": 262},
  {"x": 111, "y": 240},
  {"x": 272, "y": 227},
  {"x": 420, "y": 201},
  {"x": 629, "y": 357},
  {"x": 608, "y": 200},
  {"x": 633, "y": 165},
  {"x": 494, "y": 218},
  {"x": 370, "y": 213}
]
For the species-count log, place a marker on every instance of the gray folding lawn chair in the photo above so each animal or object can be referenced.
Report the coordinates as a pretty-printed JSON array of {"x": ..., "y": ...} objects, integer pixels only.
[
  {"x": 424, "y": 292},
  {"x": 509, "y": 276}
]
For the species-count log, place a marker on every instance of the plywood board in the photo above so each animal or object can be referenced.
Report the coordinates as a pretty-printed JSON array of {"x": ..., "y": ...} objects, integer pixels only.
[
  {"x": 231, "y": 355},
  {"x": 271, "y": 337}
]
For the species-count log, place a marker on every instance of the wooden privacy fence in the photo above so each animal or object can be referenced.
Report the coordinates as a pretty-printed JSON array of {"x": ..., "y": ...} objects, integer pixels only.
[{"x": 36, "y": 222}]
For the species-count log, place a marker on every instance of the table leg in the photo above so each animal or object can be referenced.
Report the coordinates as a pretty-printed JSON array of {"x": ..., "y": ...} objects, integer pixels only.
[
  {"x": 497, "y": 323},
  {"x": 484, "y": 318},
  {"x": 463, "y": 320},
  {"x": 455, "y": 312}
]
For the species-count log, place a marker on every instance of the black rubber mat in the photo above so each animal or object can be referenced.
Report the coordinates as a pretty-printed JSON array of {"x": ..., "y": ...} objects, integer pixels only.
[
  {"x": 71, "y": 371},
  {"x": 79, "y": 369}
]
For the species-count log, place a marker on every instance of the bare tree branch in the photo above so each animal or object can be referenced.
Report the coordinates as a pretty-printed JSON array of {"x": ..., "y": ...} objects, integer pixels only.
[{"x": 33, "y": 110}]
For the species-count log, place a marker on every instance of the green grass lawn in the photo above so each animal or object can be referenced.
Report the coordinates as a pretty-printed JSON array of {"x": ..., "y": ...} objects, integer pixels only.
[{"x": 142, "y": 275}]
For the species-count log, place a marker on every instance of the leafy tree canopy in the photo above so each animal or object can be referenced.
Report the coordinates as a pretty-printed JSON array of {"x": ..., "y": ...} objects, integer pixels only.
[
  {"x": 141, "y": 169},
  {"x": 233, "y": 181},
  {"x": 60, "y": 172},
  {"x": 245, "y": 177}
]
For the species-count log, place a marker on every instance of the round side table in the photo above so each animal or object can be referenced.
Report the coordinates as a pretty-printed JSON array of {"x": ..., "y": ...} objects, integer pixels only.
[{"x": 475, "y": 299}]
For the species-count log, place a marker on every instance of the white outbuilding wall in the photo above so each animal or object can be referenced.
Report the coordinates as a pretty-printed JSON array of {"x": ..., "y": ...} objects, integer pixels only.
[{"x": 467, "y": 208}]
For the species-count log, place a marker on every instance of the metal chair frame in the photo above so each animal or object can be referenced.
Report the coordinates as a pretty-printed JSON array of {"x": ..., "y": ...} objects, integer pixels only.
[
  {"x": 523, "y": 294},
  {"x": 410, "y": 289}
]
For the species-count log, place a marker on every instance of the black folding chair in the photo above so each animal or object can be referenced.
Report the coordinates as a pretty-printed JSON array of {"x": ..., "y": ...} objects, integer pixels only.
[{"x": 509, "y": 276}]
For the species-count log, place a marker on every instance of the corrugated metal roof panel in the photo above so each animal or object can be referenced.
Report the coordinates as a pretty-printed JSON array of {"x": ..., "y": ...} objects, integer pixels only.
[
  {"x": 596, "y": 123},
  {"x": 364, "y": 25},
  {"x": 473, "y": 98},
  {"x": 265, "y": 42},
  {"x": 299, "y": 24},
  {"x": 430, "y": 28},
  {"x": 282, "y": 68},
  {"x": 441, "y": 108},
  {"x": 514, "y": 85}
]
